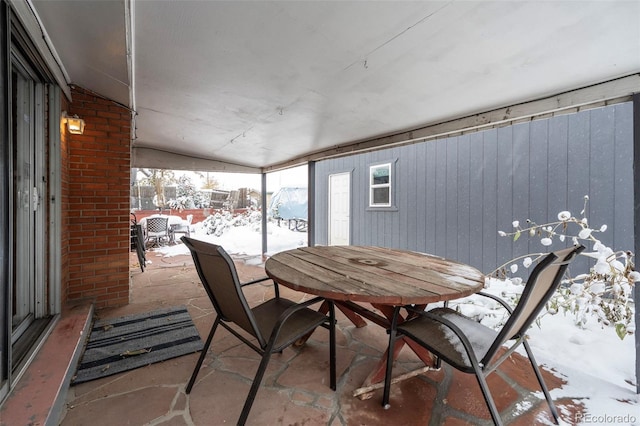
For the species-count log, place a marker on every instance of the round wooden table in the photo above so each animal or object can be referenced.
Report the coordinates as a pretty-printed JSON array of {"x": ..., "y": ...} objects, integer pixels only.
[
  {"x": 382, "y": 277},
  {"x": 373, "y": 275}
]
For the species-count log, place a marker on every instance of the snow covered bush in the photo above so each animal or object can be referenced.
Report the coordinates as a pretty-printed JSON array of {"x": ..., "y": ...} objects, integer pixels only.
[
  {"x": 187, "y": 197},
  {"x": 181, "y": 203},
  {"x": 603, "y": 293},
  {"x": 219, "y": 222}
]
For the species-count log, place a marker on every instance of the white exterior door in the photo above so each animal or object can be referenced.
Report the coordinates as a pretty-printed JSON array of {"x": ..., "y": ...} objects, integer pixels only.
[{"x": 339, "y": 208}]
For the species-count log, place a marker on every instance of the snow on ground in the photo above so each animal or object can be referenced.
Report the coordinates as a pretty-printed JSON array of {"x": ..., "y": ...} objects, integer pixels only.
[
  {"x": 598, "y": 367},
  {"x": 244, "y": 241}
]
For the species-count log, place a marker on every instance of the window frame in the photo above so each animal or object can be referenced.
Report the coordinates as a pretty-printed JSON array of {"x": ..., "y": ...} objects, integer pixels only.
[{"x": 373, "y": 186}]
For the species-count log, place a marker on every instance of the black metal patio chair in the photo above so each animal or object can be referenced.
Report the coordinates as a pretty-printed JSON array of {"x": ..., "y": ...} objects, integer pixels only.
[
  {"x": 274, "y": 324},
  {"x": 157, "y": 230},
  {"x": 473, "y": 348},
  {"x": 182, "y": 228},
  {"x": 137, "y": 241}
]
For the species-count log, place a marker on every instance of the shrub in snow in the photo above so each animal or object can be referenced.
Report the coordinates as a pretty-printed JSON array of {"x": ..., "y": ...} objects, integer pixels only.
[
  {"x": 181, "y": 203},
  {"x": 603, "y": 293},
  {"x": 187, "y": 197},
  {"x": 219, "y": 222}
]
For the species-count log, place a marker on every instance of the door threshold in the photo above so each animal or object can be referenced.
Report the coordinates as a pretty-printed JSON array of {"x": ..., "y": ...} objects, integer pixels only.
[{"x": 24, "y": 348}]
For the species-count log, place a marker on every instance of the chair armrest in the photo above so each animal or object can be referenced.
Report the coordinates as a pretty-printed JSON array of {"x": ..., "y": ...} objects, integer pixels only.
[
  {"x": 497, "y": 299},
  {"x": 259, "y": 280},
  {"x": 287, "y": 314},
  {"x": 451, "y": 326}
]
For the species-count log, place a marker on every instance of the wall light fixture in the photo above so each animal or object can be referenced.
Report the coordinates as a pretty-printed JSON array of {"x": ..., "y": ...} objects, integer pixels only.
[{"x": 75, "y": 125}]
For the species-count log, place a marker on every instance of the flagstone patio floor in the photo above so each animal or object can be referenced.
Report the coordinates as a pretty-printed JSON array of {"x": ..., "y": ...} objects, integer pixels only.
[{"x": 295, "y": 389}]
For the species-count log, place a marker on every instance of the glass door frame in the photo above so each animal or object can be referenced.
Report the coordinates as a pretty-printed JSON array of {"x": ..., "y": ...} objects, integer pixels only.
[
  {"x": 5, "y": 191},
  {"x": 29, "y": 203},
  {"x": 19, "y": 53}
]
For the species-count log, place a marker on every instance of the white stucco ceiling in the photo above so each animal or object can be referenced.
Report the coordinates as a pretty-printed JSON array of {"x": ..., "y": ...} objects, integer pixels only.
[{"x": 260, "y": 83}]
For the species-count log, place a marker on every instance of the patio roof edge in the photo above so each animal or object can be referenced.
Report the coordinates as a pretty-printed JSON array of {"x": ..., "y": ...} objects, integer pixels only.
[
  {"x": 596, "y": 95},
  {"x": 157, "y": 159}
]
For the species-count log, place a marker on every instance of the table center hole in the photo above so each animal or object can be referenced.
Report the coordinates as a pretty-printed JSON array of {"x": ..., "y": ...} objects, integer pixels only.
[{"x": 369, "y": 262}]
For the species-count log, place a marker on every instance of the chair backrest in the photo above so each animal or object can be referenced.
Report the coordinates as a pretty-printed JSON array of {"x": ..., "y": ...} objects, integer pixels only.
[
  {"x": 543, "y": 282},
  {"x": 157, "y": 224},
  {"x": 220, "y": 280}
]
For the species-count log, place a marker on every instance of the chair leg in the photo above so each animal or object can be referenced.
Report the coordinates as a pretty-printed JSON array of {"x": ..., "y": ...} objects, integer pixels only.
[
  {"x": 254, "y": 387},
  {"x": 142, "y": 260},
  {"x": 332, "y": 345},
  {"x": 495, "y": 415},
  {"x": 438, "y": 363},
  {"x": 387, "y": 375},
  {"x": 205, "y": 349},
  {"x": 536, "y": 370}
]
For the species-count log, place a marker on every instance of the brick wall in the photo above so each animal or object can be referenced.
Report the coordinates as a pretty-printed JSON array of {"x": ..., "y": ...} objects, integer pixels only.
[
  {"x": 97, "y": 190},
  {"x": 198, "y": 214}
]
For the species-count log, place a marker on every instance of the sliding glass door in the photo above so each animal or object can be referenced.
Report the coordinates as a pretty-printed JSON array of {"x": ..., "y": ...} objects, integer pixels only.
[
  {"x": 30, "y": 216},
  {"x": 28, "y": 287}
]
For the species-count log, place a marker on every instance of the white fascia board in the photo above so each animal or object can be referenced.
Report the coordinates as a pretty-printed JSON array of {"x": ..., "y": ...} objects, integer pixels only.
[
  {"x": 597, "y": 95},
  {"x": 156, "y": 159},
  {"x": 26, "y": 12}
]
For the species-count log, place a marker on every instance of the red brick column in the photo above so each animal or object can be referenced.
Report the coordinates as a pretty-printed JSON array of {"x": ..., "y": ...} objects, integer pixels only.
[{"x": 98, "y": 189}]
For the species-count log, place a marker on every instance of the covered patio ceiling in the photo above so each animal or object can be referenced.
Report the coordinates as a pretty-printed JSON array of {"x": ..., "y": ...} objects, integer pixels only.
[{"x": 256, "y": 85}]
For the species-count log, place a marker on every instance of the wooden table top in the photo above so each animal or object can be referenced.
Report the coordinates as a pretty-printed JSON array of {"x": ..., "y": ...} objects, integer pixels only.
[{"x": 373, "y": 274}]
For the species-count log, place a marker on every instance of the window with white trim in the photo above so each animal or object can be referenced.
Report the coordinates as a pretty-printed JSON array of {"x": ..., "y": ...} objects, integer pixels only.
[{"x": 380, "y": 185}]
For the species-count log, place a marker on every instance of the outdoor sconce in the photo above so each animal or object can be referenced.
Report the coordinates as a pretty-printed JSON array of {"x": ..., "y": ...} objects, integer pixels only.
[{"x": 75, "y": 125}]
